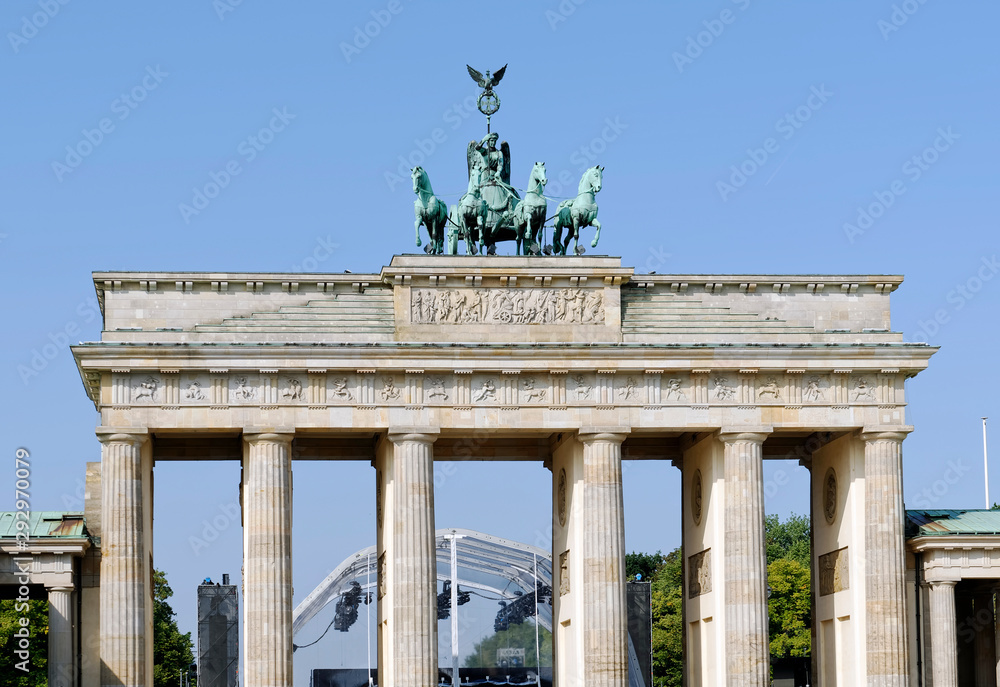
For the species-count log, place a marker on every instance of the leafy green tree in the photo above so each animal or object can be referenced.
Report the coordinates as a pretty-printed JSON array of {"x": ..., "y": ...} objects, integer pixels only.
[
  {"x": 484, "y": 653},
  {"x": 642, "y": 563},
  {"x": 37, "y": 613},
  {"x": 172, "y": 651},
  {"x": 790, "y": 539},
  {"x": 668, "y": 625},
  {"x": 789, "y": 561},
  {"x": 789, "y": 609}
]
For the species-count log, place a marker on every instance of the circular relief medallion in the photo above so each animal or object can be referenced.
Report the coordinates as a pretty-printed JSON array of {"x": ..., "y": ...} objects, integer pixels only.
[
  {"x": 562, "y": 497},
  {"x": 696, "y": 497},
  {"x": 830, "y": 495},
  {"x": 378, "y": 497}
]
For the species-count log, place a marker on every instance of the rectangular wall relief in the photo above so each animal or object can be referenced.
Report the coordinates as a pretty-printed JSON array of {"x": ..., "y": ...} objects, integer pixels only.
[
  {"x": 699, "y": 573},
  {"x": 834, "y": 572},
  {"x": 507, "y": 306}
]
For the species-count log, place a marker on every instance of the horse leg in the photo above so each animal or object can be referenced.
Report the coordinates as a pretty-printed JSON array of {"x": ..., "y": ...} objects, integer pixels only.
[
  {"x": 597, "y": 236},
  {"x": 416, "y": 229}
]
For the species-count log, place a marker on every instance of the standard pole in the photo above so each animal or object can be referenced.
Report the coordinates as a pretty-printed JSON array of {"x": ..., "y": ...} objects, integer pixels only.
[
  {"x": 368, "y": 616},
  {"x": 986, "y": 467},
  {"x": 455, "y": 680},
  {"x": 538, "y": 654}
]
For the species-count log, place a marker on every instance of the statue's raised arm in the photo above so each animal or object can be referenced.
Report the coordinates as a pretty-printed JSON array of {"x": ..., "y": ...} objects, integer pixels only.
[{"x": 475, "y": 160}]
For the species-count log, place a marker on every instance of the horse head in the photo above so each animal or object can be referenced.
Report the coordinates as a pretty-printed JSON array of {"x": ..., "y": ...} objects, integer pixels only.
[
  {"x": 420, "y": 180},
  {"x": 537, "y": 177},
  {"x": 591, "y": 180}
]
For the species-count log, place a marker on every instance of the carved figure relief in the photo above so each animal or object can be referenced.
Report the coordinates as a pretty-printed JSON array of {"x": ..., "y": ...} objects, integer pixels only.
[
  {"x": 382, "y": 576},
  {"x": 340, "y": 389},
  {"x": 564, "y": 573},
  {"x": 507, "y": 306},
  {"x": 830, "y": 495},
  {"x": 583, "y": 389},
  {"x": 675, "y": 392},
  {"x": 561, "y": 497},
  {"x": 770, "y": 388},
  {"x": 437, "y": 389},
  {"x": 293, "y": 391},
  {"x": 696, "y": 497},
  {"x": 147, "y": 390},
  {"x": 488, "y": 392},
  {"x": 700, "y": 573},
  {"x": 834, "y": 572},
  {"x": 723, "y": 391},
  {"x": 194, "y": 392},
  {"x": 389, "y": 390},
  {"x": 531, "y": 391},
  {"x": 627, "y": 392},
  {"x": 813, "y": 392},
  {"x": 863, "y": 391},
  {"x": 243, "y": 391},
  {"x": 378, "y": 498}
]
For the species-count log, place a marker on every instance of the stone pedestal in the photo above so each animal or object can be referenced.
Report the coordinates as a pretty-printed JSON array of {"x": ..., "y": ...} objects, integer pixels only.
[
  {"x": 413, "y": 572},
  {"x": 126, "y": 600},
  {"x": 747, "y": 660},
  {"x": 885, "y": 598},
  {"x": 60, "y": 658},
  {"x": 267, "y": 559},
  {"x": 944, "y": 635},
  {"x": 605, "y": 631}
]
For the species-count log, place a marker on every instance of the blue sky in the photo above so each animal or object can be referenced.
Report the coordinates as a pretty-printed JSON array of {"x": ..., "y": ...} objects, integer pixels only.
[{"x": 118, "y": 115}]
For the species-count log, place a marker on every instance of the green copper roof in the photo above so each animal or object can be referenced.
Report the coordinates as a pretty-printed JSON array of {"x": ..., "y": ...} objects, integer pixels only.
[
  {"x": 924, "y": 523},
  {"x": 44, "y": 525}
]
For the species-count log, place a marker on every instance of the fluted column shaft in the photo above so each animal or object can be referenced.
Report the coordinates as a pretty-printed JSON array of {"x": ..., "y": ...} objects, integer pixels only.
[
  {"x": 267, "y": 559},
  {"x": 986, "y": 659},
  {"x": 885, "y": 571},
  {"x": 605, "y": 632},
  {"x": 747, "y": 660},
  {"x": 944, "y": 635},
  {"x": 414, "y": 564},
  {"x": 124, "y": 585},
  {"x": 60, "y": 657}
]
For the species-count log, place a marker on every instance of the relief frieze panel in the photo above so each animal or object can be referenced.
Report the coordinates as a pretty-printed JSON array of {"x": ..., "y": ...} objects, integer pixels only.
[
  {"x": 649, "y": 389},
  {"x": 529, "y": 306}
]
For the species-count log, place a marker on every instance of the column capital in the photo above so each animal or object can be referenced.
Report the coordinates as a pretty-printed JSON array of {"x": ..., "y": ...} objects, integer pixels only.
[
  {"x": 271, "y": 435},
  {"x": 757, "y": 435},
  {"x": 124, "y": 435},
  {"x": 885, "y": 433},
  {"x": 60, "y": 588},
  {"x": 941, "y": 583},
  {"x": 421, "y": 435},
  {"x": 614, "y": 434}
]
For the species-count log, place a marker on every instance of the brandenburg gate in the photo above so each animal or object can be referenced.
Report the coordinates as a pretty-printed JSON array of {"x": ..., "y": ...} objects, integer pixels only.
[{"x": 574, "y": 362}]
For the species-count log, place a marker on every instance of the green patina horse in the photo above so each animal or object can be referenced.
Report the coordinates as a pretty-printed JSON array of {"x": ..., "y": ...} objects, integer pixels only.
[
  {"x": 579, "y": 212},
  {"x": 468, "y": 217},
  {"x": 529, "y": 214},
  {"x": 429, "y": 210}
]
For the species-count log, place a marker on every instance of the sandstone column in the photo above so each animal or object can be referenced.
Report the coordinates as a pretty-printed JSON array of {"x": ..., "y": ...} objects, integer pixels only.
[
  {"x": 944, "y": 634},
  {"x": 60, "y": 660},
  {"x": 747, "y": 659},
  {"x": 267, "y": 559},
  {"x": 414, "y": 564},
  {"x": 986, "y": 659},
  {"x": 887, "y": 649},
  {"x": 124, "y": 577},
  {"x": 605, "y": 633}
]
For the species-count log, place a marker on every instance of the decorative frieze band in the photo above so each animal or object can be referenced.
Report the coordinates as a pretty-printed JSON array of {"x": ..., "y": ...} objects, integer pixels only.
[{"x": 466, "y": 388}]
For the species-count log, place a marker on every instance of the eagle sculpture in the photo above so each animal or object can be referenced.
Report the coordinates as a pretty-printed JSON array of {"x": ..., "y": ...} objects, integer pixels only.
[{"x": 490, "y": 80}]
